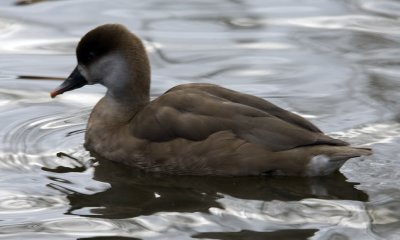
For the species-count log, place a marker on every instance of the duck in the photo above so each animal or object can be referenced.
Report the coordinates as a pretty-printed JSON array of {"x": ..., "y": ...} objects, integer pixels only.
[{"x": 195, "y": 128}]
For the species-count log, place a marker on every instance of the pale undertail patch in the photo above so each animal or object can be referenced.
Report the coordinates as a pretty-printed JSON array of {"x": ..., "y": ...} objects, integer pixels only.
[{"x": 322, "y": 165}]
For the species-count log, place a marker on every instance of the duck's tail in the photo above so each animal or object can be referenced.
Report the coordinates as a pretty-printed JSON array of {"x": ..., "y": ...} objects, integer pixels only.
[
  {"x": 327, "y": 159},
  {"x": 347, "y": 152}
]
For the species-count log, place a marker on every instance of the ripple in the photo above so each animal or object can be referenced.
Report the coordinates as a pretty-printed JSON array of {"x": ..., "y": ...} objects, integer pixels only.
[
  {"x": 8, "y": 27},
  {"x": 308, "y": 212},
  {"x": 68, "y": 225},
  {"x": 371, "y": 134},
  {"x": 79, "y": 225},
  {"x": 387, "y": 8},
  {"x": 362, "y": 23},
  {"x": 237, "y": 215},
  {"x": 11, "y": 203},
  {"x": 39, "y": 135},
  {"x": 39, "y": 46}
]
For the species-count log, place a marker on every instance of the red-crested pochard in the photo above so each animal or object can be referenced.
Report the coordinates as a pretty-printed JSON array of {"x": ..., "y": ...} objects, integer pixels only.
[{"x": 192, "y": 129}]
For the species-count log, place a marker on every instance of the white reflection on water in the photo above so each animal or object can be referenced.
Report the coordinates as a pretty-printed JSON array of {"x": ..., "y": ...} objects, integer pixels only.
[
  {"x": 37, "y": 46},
  {"x": 385, "y": 7},
  {"x": 372, "y": 133},
  {"x": 307, "y": 213},
  {"x": 333, "y": 217},
  {"x": 349, "y": 22}
]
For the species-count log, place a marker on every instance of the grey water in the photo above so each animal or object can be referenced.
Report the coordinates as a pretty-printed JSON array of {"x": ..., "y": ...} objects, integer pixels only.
[{"x": 335, "y": 62}]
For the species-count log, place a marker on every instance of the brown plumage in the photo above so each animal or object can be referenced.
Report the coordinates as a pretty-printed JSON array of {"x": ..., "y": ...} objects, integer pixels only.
[{"x": 194, "y": 129}]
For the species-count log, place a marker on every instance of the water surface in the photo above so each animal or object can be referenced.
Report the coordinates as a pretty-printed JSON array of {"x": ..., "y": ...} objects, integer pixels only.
[{"x": 334, "y": 62}]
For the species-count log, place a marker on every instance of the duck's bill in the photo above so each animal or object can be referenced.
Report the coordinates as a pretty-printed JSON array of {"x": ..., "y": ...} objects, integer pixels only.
[{"x": 74, "y": 81}]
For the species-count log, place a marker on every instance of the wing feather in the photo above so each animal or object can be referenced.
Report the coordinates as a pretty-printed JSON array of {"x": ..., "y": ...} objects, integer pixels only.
[{"x": 194, "y": 112}]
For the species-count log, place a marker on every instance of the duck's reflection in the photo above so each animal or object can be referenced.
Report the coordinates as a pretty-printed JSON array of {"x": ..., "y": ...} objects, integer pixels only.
[{"x": 133, "y": 193}]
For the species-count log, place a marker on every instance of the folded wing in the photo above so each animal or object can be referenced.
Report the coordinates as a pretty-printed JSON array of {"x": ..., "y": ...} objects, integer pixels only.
[{"x": 195, "y": 111}]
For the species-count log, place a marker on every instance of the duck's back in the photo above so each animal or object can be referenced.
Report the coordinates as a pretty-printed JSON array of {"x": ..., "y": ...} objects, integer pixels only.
[{"x": 195, "y": 111}]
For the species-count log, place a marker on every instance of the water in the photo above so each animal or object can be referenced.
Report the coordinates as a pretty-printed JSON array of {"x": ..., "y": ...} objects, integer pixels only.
[{"x": 334, "y": 62}]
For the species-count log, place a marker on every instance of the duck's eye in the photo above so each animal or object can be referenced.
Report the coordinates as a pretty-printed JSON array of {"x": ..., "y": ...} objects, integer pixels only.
[{"x": 91, "y": 56}]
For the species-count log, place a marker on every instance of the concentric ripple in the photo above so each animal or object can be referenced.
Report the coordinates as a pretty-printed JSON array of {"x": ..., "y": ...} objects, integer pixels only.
[
  {"x": 44, "y": 133},
  {"x": 68, "y": 225},
  {"x": 35, "y": 138},
  {"x": 17, "y": 203}
]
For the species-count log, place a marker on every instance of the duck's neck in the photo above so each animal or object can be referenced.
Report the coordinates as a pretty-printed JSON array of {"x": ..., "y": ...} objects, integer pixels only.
[
  {"x": 127, "y": 98},
  {"x": 128, "y": 89},
  {"x": 128, "y": 83}
]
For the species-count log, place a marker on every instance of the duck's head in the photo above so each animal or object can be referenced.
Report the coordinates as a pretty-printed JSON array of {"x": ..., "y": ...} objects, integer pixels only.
[{"x": 112, "y": 56}]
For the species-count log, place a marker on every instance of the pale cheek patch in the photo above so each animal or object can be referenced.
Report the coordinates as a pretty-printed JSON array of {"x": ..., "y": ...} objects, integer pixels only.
[
  {"x": 108, "y": 69},
  {"x": 82, "y": 70},
  {"x": 321, "y": 165}
]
